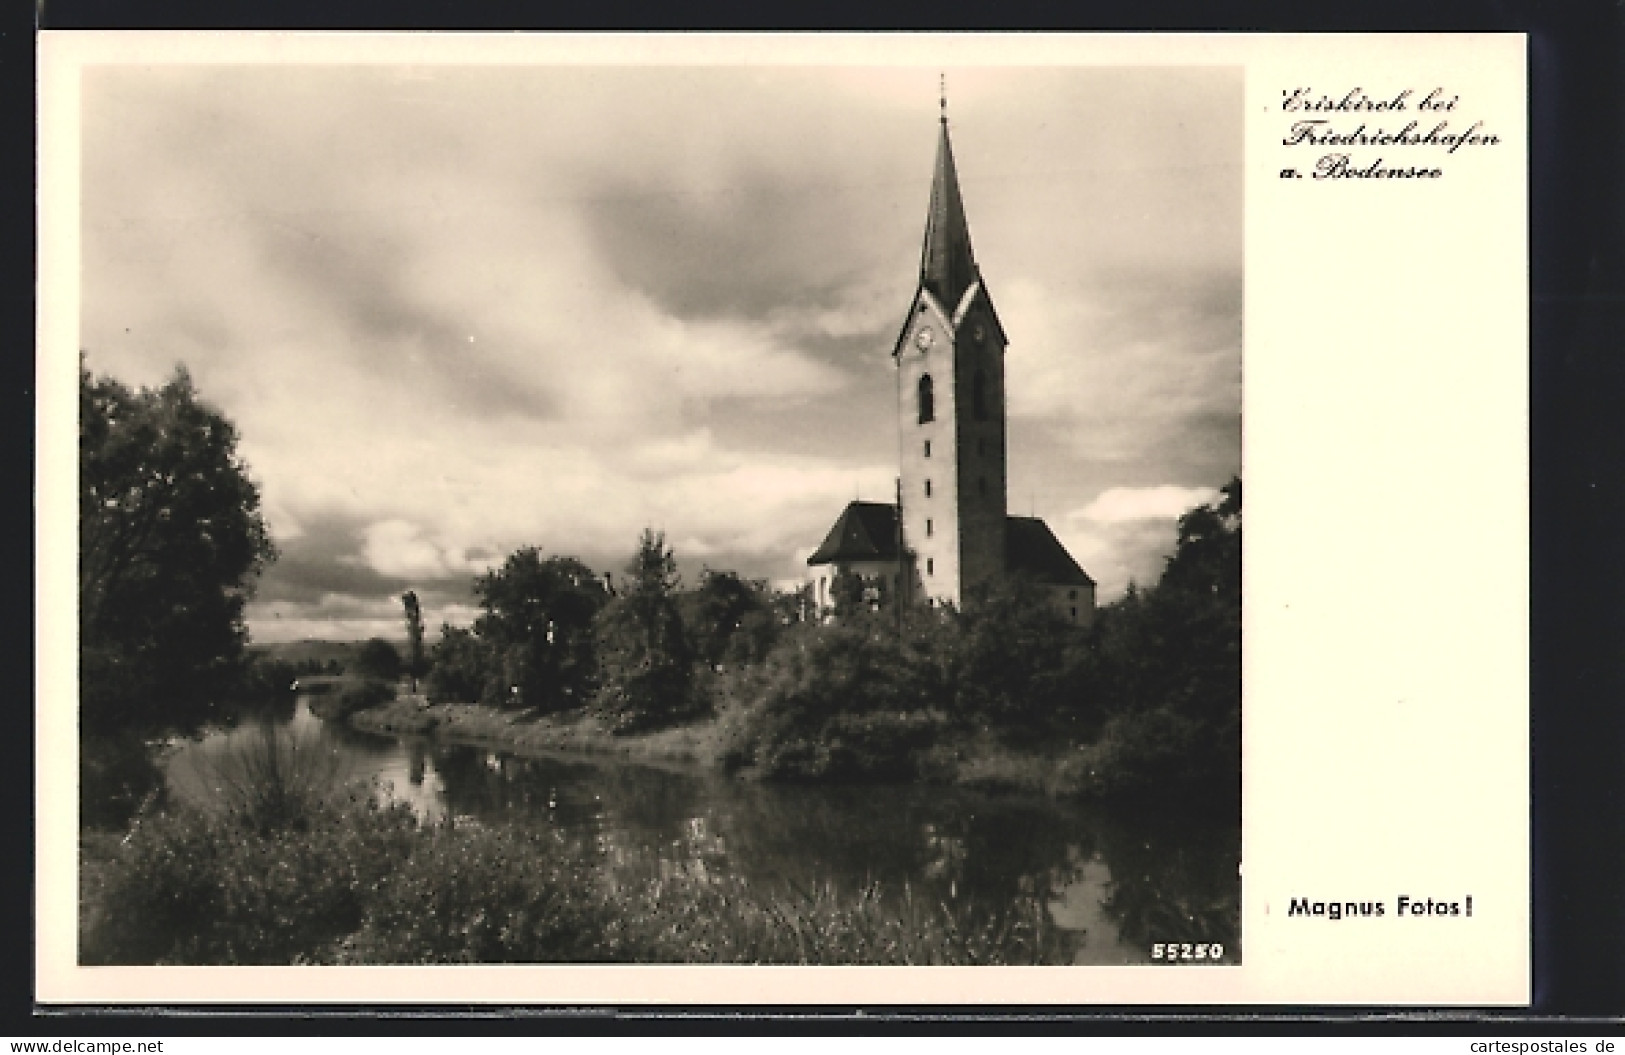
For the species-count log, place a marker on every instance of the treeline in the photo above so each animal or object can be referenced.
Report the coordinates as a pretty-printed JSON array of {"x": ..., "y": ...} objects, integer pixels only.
[
  {"x": 1146, "y": 702},
  {"x": 553, "y": 635}
]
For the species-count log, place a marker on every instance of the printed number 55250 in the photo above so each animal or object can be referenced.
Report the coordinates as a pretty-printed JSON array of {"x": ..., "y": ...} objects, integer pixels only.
[{"x": 1175, "y": 951}]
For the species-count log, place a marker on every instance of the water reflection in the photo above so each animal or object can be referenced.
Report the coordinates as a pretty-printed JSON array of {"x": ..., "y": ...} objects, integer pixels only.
[{"x": 1114, "y": 884}]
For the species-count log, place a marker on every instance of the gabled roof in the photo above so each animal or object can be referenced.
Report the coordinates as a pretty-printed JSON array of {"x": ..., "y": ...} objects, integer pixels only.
[
  {"x": 865, "y": 531},
  {"x": 1031, "y": 548},
  {"x": 947, "y": 267}
]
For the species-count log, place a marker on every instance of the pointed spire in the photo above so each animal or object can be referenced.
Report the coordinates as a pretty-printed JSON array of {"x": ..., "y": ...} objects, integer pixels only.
[{"x": 946, "y": 266}]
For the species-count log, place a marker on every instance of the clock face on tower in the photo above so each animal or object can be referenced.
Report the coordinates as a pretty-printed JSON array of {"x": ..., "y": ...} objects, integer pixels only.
[
  {"x": 924, "y": 338},
  {"x": 978, "y": 333}
]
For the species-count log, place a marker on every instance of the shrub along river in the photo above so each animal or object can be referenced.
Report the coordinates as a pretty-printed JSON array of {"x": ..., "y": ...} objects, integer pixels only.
[{"x": 1116, "y": 882}]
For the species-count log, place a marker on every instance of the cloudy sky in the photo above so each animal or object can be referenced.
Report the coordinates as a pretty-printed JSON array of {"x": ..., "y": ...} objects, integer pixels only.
[{"x": 457, "y": 310}]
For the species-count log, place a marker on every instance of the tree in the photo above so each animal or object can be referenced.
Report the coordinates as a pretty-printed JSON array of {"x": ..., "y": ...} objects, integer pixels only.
[
  {"x": 758, "y": 630},
  {"x": 378, "y": 658},
  {"x": 171, "y": 540},
  {"x": 643, "y": 651},
  {"x": 414, "y": 637},
  {"x": 1169, "y": 661},
  {"x": 1197, "y": 606},
  {"x": 1018, "y": 663},
  {"x": 793, "y": 606},
  {"x": 538, "y": 620},
  {"x": 847, "y": 592},
  {"x": 720, "y": 609},
  {"x": 461, "y": 665},
  {"x": 851, "y": 700}
]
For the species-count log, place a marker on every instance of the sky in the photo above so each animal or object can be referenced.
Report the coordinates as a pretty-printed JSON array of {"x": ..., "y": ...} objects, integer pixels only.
[{"x": 456, "y": 310}]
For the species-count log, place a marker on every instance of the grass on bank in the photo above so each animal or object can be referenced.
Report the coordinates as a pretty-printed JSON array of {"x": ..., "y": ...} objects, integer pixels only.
[
  {"x": 701, "y": 742},
  {"x": 972, "y": 758}
]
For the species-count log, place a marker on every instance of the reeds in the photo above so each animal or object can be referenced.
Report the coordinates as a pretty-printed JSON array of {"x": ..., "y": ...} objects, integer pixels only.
[
  {"x": 268, "y": 779},
  {"x": 675, "y": 912}
]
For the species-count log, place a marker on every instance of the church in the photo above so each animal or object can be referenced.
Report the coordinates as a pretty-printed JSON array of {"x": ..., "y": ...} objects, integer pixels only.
[{"x": 949, "y": 531}]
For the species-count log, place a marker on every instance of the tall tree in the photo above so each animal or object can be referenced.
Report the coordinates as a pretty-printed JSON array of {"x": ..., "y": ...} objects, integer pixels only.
[
  {"x": 643, "y": 650},
  {"x": 171, "y": 540},
  {"x": 538, "y": 620},
  {"x": 414, "y": 636},
  {"x": 1169, "y": 661}
]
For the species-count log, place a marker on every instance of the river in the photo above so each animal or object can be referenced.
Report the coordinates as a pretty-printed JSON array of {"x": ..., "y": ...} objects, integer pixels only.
[{"x": 1116, "y": 883}]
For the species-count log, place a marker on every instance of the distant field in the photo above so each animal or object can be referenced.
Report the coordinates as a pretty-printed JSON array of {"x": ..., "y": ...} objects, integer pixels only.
[{"x": 321, "y": 651}]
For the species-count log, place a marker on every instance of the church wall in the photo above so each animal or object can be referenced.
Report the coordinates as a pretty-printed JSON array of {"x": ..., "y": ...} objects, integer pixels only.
[
  {"x": 936, "y": 556},
  {"x": 980, "y": 454},
  {"x": 1075, "y": 604},
  {"x": 821, "y": 577}
]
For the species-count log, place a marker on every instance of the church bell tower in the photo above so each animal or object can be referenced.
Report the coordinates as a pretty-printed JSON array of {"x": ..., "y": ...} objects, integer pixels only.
[{"x": 951, "y": 408}]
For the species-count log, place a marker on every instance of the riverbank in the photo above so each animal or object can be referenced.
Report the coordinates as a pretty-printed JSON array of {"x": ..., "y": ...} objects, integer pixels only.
[
  {"x": 975, "y": 760},
  {"x": 697, "y": 743}
]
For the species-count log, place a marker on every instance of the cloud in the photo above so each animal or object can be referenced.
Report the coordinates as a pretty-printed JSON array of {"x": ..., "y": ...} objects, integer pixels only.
[
  {"x": 1116, "y": 554},
  {"x": 348, "y": 619},
  {"x": 1126, "y": 534},
  {"x": 404, "y": 551},
  {"x": 1135, "y": 369},
  {"x": 1166, "y": 502},
  {"x": 454, "y": 311}
]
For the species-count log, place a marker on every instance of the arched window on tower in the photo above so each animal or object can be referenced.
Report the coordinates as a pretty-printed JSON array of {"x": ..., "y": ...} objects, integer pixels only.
[
  {"x": 978, "y": 396},
  {"x": 928, "y": 408}
]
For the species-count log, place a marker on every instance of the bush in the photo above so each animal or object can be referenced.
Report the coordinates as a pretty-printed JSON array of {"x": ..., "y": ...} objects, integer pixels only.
[
  {"x": 359, "y": 883},
  {"x": 369, "y": 693},
  {"x": 753, "y": 638},
  {"x": 1020, "y": 667},
  {"x": 270, "y": 679},
  {"x": 356, "y": 695},
  {"x": 1159, "y": 753},
  {"x": 195, "y": 888},
  {"x": 378, "y": 658},
  {"x": 460, "y": 664},
  {"x": 351, "y": 882},
  {"x": 846, "y": 701},
  {"x": 117, "y": 779},
  {"x": 473, "y": 894},
  {"x": 879, "y": 746}
]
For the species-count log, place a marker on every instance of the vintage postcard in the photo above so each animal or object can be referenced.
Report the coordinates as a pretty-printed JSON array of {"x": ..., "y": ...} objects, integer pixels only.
[{"x": 742, "y": 519}]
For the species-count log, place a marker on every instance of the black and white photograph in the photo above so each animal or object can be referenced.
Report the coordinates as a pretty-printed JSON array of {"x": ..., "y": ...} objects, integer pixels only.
[
  {"x": 542, "y": 521},
  {"x": 660, "y": 514}
]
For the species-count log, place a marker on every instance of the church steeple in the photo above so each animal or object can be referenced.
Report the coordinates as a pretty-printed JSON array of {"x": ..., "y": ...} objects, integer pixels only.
[
  {"x": 949, "y": 534},
  {"x": 951, "y": 409},
  {"x": 947, "y": 268}
]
